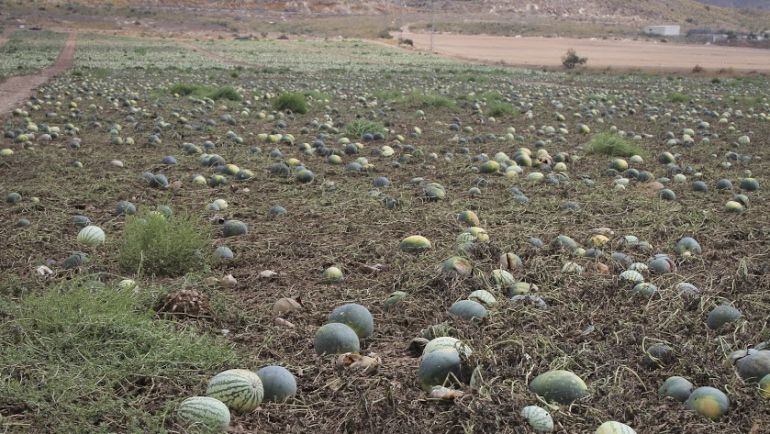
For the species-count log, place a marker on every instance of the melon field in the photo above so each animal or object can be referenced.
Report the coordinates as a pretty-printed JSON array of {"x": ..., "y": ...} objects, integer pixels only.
[{"x": 343, "y": 236}]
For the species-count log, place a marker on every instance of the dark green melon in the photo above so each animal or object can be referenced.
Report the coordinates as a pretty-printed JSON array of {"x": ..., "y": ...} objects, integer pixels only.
[
  {"x": 754, "y": 366},
  {"x": 468, "y": 310},
  {"x": 437, "y": 366},
  {"x": 233, "y": 228},
  {"x": 336, "y": 338},
  {"x": 278, "y": 383},
  {"x": 721, "y": 315},
  {"x": 559, "y": 386},
  {"x": 676, "y": 387},
  {"x": 354, "y": 316},
  {"x": 76, "y": 259}
]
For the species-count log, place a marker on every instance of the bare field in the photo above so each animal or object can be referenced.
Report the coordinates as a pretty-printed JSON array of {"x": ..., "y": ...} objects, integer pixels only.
[{"x": 622, "y": 54}]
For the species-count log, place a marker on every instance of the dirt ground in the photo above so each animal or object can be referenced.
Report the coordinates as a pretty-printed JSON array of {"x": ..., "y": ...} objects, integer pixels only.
[
  {"x": 16, "y": 89},
  {"x": 617, "y": 54}
]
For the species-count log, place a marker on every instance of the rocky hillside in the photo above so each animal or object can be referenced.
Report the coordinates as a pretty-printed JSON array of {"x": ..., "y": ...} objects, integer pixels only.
[
  {"x": 740, "y": 4},
  {"x": 689, "y": 13}
]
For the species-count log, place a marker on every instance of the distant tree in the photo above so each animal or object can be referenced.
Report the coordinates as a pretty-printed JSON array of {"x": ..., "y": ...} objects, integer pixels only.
[{"x": 571, "y": 60}]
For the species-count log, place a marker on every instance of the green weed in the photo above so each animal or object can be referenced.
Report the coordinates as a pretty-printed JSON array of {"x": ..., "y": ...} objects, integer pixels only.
[
  {"x": 293, "y": 101},
  {"x": 83, "y": 358},
  {"x": 612, "y": 145},
  {"x": 156, "y": 245}
]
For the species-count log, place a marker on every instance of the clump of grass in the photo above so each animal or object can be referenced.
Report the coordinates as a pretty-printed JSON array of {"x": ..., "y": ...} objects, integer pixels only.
[
  {"x": 389, "y": 95},
  {"x": 84, "y": 358},
  {"x": 430, "y": 100},
  {"x": 156, "y": 245},
  {"x": 316, "y": 95},
  {"x": 359, "y": 127},
  {"x": 678, "y": 97},
  {"x": 293, "y": 101},
  {"x": 200, "y": 91},
  {"x": 498, "y": 109},
  {"x": 612, "y": 145}
]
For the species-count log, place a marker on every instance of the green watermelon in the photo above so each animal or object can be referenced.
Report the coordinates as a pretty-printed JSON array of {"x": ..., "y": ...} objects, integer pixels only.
[
  {"x": 204, "y": 412},
  {"x": 240, "y": 389}
]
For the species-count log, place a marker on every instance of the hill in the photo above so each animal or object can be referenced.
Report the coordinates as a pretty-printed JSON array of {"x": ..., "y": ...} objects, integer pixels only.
[{"x": 740, "y": 4}]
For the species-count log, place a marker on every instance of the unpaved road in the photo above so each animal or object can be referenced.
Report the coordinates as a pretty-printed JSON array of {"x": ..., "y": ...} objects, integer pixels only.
[
  {"x": 617, "y": 54},
  {"x": 15, "y": 90}
]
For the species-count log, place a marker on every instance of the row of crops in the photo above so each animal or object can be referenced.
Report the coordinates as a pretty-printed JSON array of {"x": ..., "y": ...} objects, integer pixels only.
[{"x": 28, "y": 51}]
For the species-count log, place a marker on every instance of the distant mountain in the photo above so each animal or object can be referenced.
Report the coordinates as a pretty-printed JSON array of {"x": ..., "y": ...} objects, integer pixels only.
[{"x": 739, "y": 4}]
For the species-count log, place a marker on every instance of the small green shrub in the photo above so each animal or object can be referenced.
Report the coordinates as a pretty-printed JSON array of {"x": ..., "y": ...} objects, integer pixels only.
[
  {"x": 498, "y": 109},
  {"x": 359, "y": 127},
  {"x": 677, "y": 97},
  {"x": 384, "y": 34},
  {"x": 612, "y": 145},
  {"x": 293, "y": 101},
  {"x": 316, "y": 95},
  {"x": 224, "y": 92},
  {"x": 84, "y": 358},
  {"x": 156, "y": 245},
  {"x": 200, "y": 91},
  {"x": 571, "y": 60},
  {"x": 430, "y": 100}
]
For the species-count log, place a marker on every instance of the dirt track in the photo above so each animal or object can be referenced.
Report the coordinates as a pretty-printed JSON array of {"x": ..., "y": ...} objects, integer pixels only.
[
  {"x": 619, "y": 54},
  {"x": 16, "y": 89}
]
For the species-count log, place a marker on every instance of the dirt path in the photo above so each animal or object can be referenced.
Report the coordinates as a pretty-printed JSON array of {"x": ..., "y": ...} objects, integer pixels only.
[
  {"x": 216, "y": 56},
  {"x": 616, "y": 54},
  {"x": 15, "y": 90}
]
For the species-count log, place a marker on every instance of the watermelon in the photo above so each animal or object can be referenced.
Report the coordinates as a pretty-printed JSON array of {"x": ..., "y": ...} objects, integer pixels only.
[
  {"x": 279, "y": 384},
  {"x": 613, "y": 427},
  {"x": 444, "y": 342},
  {"x": 438, "y": 366},
  {"x": 468, "y": 310},
  {"x": 204, "y": 412},
  {"x": 336, "y": 338},
  {"x": 538, "y": 418},
  {"x": 415, "y": 244},
  {"x": 233, "y": 228},
  {"x": 721, "y": 315},
  {"x": 76, "y": 259},
  {"x": 332, "y": 275},
  {"x": 354, "y": 316},
  {"x": 91, "y": 236},
  {"x": 676, "y": 387},
  {"x": 559, "y": 386},
  {"x": 240, "y": 389},
  {"x": 708, "y": 402}
]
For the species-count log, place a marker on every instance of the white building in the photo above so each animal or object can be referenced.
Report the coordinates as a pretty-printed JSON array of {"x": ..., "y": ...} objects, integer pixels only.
[{"x": 669, "y": 30}]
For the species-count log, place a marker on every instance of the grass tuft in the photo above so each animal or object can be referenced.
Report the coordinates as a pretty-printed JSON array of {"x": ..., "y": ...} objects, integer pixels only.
[
  {"x": 359, "y": 127},
  {"x": 498, "y": 109},
  {"x": 293, "y": 101},
  {"x": 678, "y": 97},
  {"x": 430, "y": 100},
  {"x": 612, "y": 145},
  {"x": 156, "y": 245},
  {"x": 200, "y": 91},
  {"x": 84, "y": 358}
]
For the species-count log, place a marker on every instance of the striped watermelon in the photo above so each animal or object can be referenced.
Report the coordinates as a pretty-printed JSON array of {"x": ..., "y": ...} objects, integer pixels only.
[
  {"x": 91, "y": 236},
  {"x": 613, "y": 427},
  {"x": 538, "y": 418},
  {"x": 240, "y": 389},
  {"x": 204, "y": 412}
]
